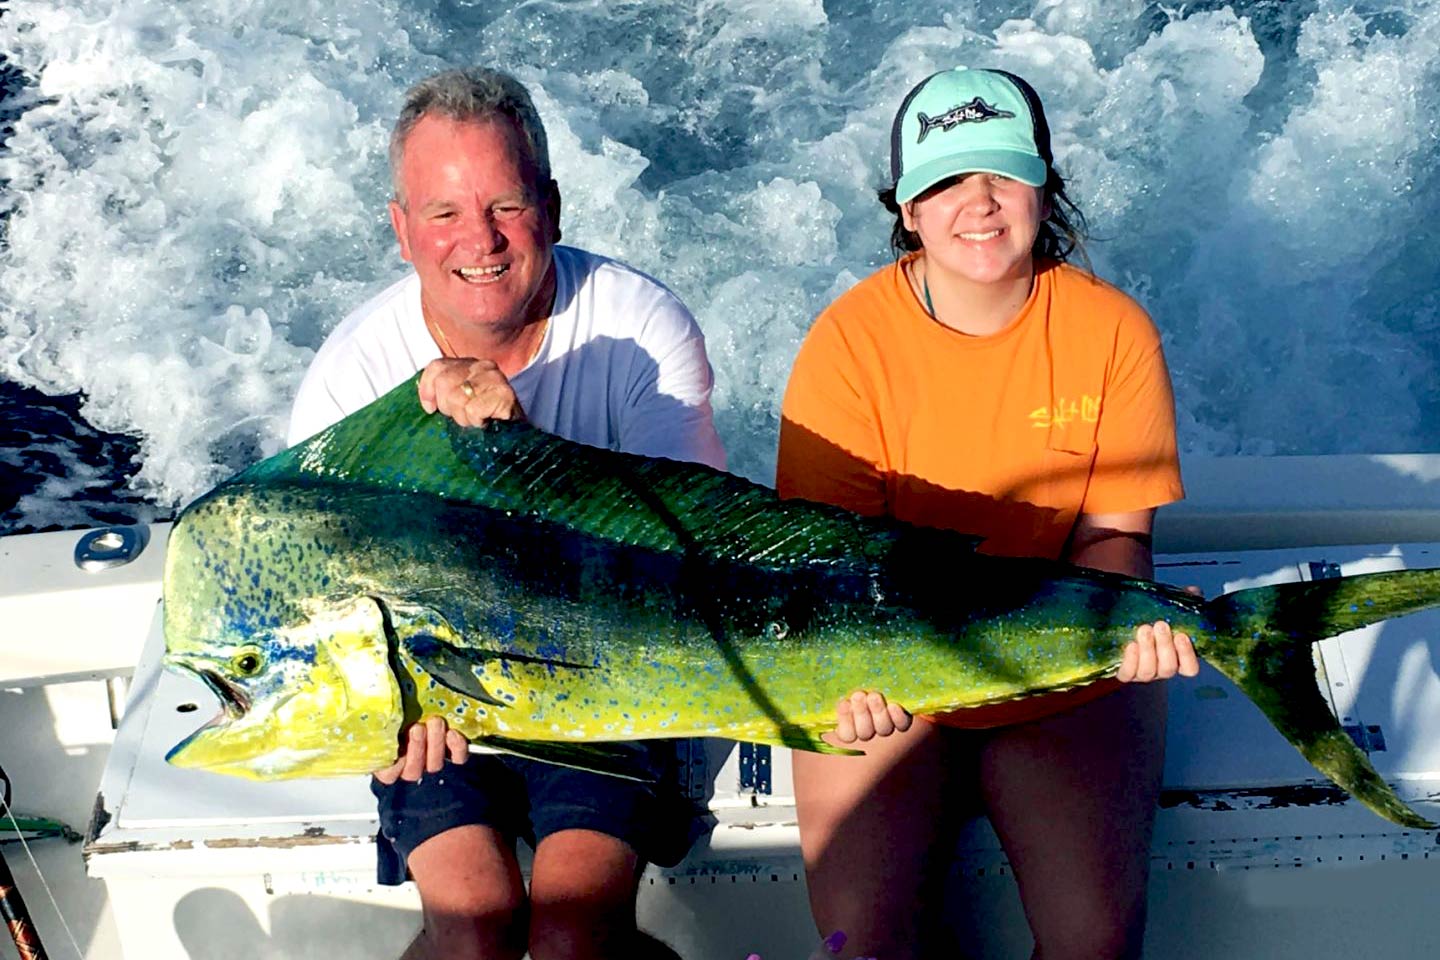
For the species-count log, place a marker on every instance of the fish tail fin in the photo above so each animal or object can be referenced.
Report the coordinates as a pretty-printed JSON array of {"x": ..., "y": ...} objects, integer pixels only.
[{"x": 1263, "y": 642}]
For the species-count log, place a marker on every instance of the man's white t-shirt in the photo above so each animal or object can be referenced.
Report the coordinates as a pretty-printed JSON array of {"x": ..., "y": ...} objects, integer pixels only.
[{"x": 622, "y": 365}]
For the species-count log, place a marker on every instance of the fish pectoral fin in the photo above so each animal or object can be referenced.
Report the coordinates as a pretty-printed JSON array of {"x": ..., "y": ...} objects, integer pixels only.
[
  {"x": 526, "y": 658},
  {"x": 452, "y": 670},
  {"x": 421, "y": 638},
  {"x": 610, "y": 759},
  {"x": 456, "y": 669}
]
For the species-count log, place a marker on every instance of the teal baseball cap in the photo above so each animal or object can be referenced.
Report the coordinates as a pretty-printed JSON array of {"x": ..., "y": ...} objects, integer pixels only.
[{"x": 962, "y": 121}]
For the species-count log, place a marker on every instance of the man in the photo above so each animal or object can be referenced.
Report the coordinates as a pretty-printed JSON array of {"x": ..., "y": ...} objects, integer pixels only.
[{"x": 505, "y": 325}]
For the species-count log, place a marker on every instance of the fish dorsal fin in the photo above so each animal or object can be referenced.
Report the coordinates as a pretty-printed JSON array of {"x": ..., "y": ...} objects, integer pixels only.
[
  {"x": 393, "y": 444},
  {"x": 667, "y": 504},
  {"x": 390, "y": 444}
]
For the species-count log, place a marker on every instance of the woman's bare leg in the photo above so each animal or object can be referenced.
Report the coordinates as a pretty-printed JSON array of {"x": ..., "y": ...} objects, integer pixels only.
[
  {"x": 1073, "y": 798},
  {"x": 868, "y": 828}
]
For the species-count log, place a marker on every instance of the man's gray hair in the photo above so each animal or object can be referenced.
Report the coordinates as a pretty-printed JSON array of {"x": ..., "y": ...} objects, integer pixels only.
[{"x": 474, "y": 94}]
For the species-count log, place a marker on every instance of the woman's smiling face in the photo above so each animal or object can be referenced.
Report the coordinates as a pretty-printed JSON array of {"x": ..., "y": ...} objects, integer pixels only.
[{"x": 978, "y": 226}]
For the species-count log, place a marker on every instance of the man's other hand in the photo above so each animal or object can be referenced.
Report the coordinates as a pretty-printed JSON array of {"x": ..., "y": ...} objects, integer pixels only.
[{"x": 424, "y": 750}]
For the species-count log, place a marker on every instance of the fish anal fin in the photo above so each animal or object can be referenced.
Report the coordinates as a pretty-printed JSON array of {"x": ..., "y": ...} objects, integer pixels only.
[
  {"x": 609, "y": 759},
  {"x": 794, "y": 737}
]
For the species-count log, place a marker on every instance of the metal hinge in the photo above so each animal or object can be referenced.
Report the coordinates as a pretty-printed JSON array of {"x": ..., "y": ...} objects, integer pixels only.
[
  {"x": 692, "y": 767},
  {"x": 1367, "y": 736},
  {"x": 755, "y": 767}
]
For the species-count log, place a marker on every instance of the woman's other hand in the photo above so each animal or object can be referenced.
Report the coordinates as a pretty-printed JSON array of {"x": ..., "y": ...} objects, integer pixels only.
[
  {"x": 865, "y": 715},
  {"x": 1157, "y": 653}
]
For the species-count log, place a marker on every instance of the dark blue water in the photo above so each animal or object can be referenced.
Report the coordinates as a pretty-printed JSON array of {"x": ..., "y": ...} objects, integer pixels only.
[{"x": 57, "y": 471}]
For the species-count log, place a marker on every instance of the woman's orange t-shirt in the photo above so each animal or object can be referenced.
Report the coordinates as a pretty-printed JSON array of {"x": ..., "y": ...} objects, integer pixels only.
[{"x": 1068, "y": 410}]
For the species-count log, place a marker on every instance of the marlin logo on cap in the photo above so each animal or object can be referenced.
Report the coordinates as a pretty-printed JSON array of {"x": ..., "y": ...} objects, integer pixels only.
[{"x": 976, "y": 111}]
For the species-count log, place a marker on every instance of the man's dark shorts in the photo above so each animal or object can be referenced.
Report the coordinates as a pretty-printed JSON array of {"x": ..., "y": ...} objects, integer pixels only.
[{"x": 529, "y": 800}]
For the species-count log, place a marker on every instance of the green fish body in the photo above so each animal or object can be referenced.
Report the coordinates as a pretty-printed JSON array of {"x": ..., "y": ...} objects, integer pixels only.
[{"x": 546, "y": 597}]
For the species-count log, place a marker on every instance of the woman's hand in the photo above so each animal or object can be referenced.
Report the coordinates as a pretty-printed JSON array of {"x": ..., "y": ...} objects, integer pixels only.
[
  {"x": 425, "y": 749},
  {"x": 865, "y": 715},
  {"x": 1157, "y": 653}
]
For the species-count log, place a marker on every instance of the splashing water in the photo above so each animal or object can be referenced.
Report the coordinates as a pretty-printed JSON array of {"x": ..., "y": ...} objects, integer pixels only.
[{"x": 193, "y": 195}]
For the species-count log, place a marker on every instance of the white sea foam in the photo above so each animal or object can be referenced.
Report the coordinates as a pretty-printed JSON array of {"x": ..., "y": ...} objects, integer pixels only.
[{"x": 197, "y": 196}]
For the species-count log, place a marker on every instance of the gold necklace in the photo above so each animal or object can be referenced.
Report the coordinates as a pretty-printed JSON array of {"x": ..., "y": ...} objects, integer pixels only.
[
  {"x": 539, "y": 340},
  {"x": 448, "y": 351},
  {"x": 444, "y": 342}
]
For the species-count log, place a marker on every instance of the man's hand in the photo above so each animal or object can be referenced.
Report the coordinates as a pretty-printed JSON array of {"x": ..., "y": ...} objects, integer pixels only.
[
  {"x": 426, "y": 746},
  {"x": 865, "y": 715},
  {"x": 469, "y": 392}
]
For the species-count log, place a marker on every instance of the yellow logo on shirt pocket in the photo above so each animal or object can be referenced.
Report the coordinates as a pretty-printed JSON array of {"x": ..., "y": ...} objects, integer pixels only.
[{"x": 1067, "y": 410}]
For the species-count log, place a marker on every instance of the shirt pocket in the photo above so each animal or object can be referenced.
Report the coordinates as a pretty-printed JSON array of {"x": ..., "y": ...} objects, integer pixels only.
[{"x": 1060, "y": 493}]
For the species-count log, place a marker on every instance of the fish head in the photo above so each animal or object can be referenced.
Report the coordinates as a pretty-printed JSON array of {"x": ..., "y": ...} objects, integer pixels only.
[
  {"x": 313, "y": 699},
  {"x": 264, "y": 603}
]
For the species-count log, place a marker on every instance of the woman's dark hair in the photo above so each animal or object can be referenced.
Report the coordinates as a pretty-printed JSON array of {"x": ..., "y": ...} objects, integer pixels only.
[{"x": 1062, "y": 233}]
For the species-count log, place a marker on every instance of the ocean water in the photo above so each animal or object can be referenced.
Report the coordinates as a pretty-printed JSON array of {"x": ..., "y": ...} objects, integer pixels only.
[{"x": 192, "y": 195}]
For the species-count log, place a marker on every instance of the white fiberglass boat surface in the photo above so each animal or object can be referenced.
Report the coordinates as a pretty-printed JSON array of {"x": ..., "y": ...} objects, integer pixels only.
[{"x": 1255, "y": 854}]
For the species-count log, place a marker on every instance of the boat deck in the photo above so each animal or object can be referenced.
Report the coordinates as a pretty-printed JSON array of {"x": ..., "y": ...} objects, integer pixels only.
[{"x": 1255, "y": 856}]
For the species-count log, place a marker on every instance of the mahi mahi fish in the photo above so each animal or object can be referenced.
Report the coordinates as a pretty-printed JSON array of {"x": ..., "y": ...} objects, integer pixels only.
[{"x": 547, "y": 597}]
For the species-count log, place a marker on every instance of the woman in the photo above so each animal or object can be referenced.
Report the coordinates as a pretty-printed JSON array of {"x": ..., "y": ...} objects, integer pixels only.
[{"x": 983, "y": 384}]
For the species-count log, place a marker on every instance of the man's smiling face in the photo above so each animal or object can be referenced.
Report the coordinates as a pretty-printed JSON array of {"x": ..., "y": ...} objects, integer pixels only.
[{"x": 476, "y": 224}]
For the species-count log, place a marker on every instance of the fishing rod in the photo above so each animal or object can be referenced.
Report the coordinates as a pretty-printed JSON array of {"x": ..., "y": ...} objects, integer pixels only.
[{"x": 12, "y": 905}]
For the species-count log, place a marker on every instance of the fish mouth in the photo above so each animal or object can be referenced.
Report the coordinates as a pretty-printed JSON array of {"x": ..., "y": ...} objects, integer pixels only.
[{"x": 234, "y": 701}]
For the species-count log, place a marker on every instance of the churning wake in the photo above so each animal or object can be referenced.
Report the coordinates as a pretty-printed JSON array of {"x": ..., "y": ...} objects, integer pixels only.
[{"x": 193, "y": 194}]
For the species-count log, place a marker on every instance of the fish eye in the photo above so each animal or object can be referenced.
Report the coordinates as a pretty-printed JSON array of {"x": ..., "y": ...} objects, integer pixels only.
[{"x": 247, "y": 663}]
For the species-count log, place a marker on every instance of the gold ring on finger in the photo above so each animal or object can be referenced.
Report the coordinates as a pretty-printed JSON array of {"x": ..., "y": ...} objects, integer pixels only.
[{"x": 467, "y": 388}]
